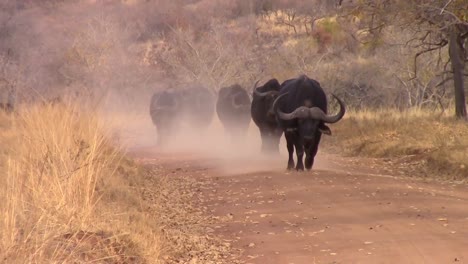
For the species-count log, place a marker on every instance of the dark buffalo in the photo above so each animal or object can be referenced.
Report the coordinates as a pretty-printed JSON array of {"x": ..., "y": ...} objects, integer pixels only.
[
  {"x": 198, "y": 106},
  {"x": 172, "y": 109},
  {"x": 264, "y": 116},
  {"x": 233, "y": 109},
  {"x": 165, "y": 113},
  {"x": 301, "y": 111}
]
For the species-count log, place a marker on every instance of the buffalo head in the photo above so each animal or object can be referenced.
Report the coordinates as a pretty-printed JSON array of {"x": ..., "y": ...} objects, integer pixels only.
[
  {"x": 310, "y": 119},
  {"x": 268, "y": 97}
]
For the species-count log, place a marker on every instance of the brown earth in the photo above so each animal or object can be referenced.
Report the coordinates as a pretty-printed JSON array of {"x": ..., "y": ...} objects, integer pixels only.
[{"x": 345, "y": 211}]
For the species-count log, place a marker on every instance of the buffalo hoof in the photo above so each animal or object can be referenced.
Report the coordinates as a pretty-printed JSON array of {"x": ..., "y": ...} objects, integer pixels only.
[
  {"x": 290, "y": 165},
  {"x": 300, "y": 167}
]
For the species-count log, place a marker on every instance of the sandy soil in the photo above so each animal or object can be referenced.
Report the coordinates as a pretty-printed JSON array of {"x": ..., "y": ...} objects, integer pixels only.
[{"x": 344, "y": 211}]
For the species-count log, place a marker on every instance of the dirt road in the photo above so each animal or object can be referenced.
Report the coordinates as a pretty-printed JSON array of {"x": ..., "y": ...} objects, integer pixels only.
[{"x": 345, "y": 211}]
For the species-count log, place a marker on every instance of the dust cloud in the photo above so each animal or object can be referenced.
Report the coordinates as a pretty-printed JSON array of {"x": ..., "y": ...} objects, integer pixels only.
[
  {"x": 137, "y": 134},
  {"x": 105, "y": 54}
]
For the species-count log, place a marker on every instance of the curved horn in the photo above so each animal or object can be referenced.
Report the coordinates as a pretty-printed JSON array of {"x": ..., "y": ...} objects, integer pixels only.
[
  {"x": 314, "y": 113},
  {"x": 234, "y": 104},
  {"x": 338, "y": 116},
  {"x": 263, "y": 94},
  {"x": 172, "y": 107},
  {"x": 238, "y": 106},
  {"x": 300, "y": 112},
  {"x": 273, "y": 107},
  {"x": 255, "y": 85}
]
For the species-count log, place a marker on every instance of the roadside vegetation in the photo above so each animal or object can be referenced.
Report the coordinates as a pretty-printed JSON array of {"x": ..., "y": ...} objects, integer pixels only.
[
  {"x": 70, "y": 195},
  {"x": 67, "y": 194},
  {"x": 429, "y": 144}
]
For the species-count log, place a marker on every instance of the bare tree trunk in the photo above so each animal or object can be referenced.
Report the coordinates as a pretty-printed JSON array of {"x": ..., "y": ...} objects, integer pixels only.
[{"x": 457, "y": 60}]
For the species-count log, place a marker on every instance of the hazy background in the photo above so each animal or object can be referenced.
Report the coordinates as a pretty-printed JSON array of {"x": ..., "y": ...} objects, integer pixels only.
[{"x": 117, "y": 53}]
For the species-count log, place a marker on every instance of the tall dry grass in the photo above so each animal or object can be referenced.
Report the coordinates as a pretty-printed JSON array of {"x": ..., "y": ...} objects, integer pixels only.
[
  {"x": 436, "y": 142},
  {"x": 61, "y": 197}
]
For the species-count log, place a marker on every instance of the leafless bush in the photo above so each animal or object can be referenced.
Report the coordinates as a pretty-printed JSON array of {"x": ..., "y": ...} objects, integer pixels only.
[
  {"x": 221, "y": 57},
  {"x": 106, "y": 49}
]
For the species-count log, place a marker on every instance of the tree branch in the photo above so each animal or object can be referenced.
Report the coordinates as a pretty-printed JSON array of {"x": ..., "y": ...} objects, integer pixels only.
[
  {"x": 423, "y": 52},
  {"x": 445, "y": 6},
  {"x": 443, "y": 81}
]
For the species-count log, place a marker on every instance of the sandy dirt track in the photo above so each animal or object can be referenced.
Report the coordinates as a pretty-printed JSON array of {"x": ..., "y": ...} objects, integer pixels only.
[{"x": 341, "y": 212}]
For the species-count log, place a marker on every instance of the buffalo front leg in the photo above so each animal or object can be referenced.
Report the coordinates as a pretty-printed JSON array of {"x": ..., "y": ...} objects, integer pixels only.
[
  {"x": 299, "y": 154},
  {"x": 162, "y": 138},
  {"x": 290, "y": 137},
  {"x": 270, "y": 142},
  {"x": 275, "y": 140},
  {"x": 264, "y": 138},
  {"x": 311, "y": 151}
]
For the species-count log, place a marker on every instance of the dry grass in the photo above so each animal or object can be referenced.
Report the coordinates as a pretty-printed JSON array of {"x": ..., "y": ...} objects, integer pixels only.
[
  {"x": 437, "y": 143},
  {"x": 67, "y": 196}
]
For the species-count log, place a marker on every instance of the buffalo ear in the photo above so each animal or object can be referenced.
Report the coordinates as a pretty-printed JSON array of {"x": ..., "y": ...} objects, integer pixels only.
[{"x": 325, "y": 130}]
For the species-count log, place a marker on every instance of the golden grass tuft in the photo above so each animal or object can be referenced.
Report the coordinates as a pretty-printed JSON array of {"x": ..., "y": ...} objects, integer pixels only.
[
  {"x": 437, "y": 142},
  {"x": 66, "y": 194}
]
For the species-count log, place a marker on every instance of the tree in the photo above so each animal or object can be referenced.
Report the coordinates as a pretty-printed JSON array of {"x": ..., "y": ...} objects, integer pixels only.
[{"x": 438, "y": 26}]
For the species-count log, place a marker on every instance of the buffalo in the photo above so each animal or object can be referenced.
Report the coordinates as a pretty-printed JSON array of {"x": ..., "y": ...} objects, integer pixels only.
[
  {"x": 301, "y": 111},
  {"x": 264, "y": 117},
  {"x": 233, "y": 109},
  {"x": 198, "y": 106},
  {"x": 172, "y": 109},
  {"x": 165, "y": 113}
]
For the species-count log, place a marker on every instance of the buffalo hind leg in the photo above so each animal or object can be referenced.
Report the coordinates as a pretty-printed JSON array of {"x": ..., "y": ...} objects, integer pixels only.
[{"x": 290, "y": 137}]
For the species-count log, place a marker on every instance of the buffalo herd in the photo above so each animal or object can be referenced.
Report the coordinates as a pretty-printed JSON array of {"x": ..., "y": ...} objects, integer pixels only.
[{"x": 296, "y": 108}]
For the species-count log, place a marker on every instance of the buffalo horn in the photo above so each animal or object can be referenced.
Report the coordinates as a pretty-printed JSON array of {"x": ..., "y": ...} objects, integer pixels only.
[
  {"x": 314, "y": 113},
  {"x": 263, "y": 94},
  {"x": 173, "y": 107},
  {"x": 255, "y": 85},
  {"x": 236, "y": 105},
  {"x": 337, "y": 117},
  {"x": 273, "y": 107}
]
